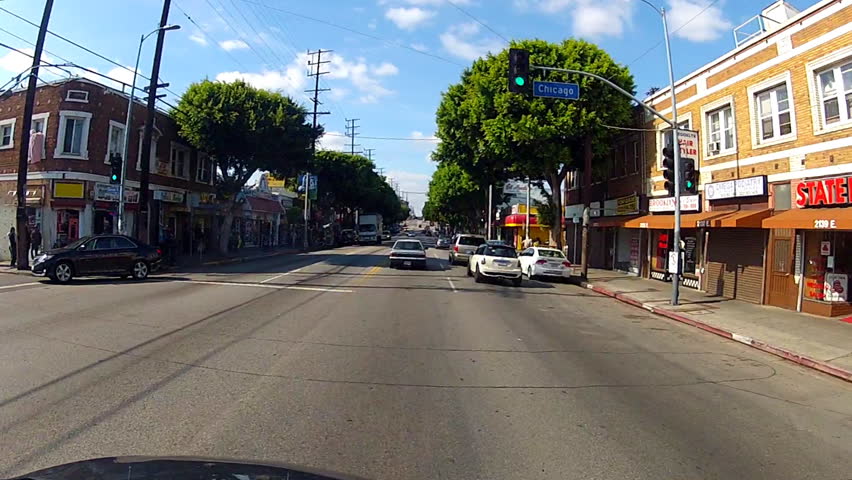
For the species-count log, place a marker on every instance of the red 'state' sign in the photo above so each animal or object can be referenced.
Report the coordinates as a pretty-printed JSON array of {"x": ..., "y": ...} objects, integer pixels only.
[{"x": 831, "y": 191}]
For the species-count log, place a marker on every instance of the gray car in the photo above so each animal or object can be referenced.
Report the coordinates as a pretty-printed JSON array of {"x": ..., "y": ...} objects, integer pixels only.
[{"x": 463, "y": 246}]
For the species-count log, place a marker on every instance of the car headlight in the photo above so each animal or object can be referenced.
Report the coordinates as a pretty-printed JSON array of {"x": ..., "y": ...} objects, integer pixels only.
[{"x": 43, "y": 258}]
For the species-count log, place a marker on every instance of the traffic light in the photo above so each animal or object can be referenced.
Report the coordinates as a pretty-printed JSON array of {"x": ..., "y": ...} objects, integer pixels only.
[
  {"x": 519, "y": 71},
  {"x": 669, "y": 164},
  {"x": 115, "y": 169},
  {"x": 690, "y": 176}
]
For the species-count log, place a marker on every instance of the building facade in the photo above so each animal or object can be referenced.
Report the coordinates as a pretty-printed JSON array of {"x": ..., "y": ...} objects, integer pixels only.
[
  {"x": 77, "y": 126},
  {"x": 771, "y": 222}
]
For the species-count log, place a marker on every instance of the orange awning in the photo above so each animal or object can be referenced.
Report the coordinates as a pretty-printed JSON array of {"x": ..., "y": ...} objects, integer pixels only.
[
  {"x": 742, "y": 219},
  {"x": 666, "y": 222},
  {"x": 812, "y": 219}
]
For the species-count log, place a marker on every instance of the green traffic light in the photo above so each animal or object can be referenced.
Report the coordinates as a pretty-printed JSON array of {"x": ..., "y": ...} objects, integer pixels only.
[
  {"x": 688, "y": 184},
  {"x": 519, "y": 81},
  {"x": 115, "y": 177}
]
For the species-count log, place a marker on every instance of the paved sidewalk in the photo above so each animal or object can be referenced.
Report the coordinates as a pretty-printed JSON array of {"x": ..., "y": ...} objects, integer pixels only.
[{"x": 817, "y": 342}]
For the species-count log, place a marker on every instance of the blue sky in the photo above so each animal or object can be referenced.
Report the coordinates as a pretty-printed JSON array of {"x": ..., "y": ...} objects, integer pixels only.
[{"x": 391, "y": 60}]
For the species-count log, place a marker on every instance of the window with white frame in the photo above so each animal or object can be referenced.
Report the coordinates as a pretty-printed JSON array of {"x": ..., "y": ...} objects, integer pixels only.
[
  {"x": 80, "y": 96},
  {"x": 115, "y": 140},
  {"x": 39, "y": 125},
  {"x": 572, "y": 180},
  {"x": 178, "y": 161},
  {"x": 774, "y": 113},
  {"x": 204, "y": 171},
  {"x": 73, "y": 135},
  {"x": 7, "y": 133},
  {"x": 720, "y": 130},
  {"x": 155, "y": 138},
  {"x": 834, "y": 87}
]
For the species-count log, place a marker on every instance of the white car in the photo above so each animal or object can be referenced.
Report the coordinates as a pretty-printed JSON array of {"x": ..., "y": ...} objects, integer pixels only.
[
  {"x": 495, "y": 261},
  {"x": 544, "y": 262},
  {"x": 407, "y": 253}
]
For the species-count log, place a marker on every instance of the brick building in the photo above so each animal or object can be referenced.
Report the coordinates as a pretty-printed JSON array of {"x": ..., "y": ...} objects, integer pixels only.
[
  {"x": 68, "y": 192},
  {"x": 772, "y": 222}
]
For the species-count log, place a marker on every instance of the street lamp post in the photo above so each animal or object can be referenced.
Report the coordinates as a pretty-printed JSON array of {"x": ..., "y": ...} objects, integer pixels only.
[
  {"x": 127, "y": 127},
  {"x": 676, "y": 152}
]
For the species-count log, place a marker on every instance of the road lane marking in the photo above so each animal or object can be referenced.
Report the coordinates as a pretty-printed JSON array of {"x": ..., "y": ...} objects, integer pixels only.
[
  {"x": 266, "y": 285},
  {"x": 20, "y": 285},
  {"x": 282, "y": 275},
  {"x": 452, "y": 285}
]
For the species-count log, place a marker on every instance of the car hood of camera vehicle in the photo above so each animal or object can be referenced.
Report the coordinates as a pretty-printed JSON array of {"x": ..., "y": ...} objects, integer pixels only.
[{"x": 140, "y": 468}]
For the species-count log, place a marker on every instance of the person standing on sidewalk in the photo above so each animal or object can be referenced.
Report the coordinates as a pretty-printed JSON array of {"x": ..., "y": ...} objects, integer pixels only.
[
  {"x": 35, "y": 241},
  {"x": 13, "y": 246}
]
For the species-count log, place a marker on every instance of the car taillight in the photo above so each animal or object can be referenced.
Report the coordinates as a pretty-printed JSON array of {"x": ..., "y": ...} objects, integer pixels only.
[
  {"x": 159, "y": 252},
  {"x": 456, "y": 248},
  {"x": 541, "y": 262},
  {"x": 567, "y": 264}
]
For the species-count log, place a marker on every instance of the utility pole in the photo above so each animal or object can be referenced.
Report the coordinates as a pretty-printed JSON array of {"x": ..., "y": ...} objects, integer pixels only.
[
  {"x": 677, "y": 182},
  {"x": 145, "y": 163},
  {"x": 490, "y": 208},
  {"x": 22, "y": 253},
  {"x": 316, "y": 91},
  {"x": 351, "y": 132},
  {"x": 369, "y": 152}
]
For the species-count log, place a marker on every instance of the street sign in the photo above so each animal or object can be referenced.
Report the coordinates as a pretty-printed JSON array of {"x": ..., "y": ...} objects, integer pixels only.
[{"x": 565, "y": 91}]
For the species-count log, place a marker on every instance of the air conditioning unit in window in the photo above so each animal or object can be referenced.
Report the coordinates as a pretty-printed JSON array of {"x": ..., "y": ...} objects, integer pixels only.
[{"x": 715, "y": 147}]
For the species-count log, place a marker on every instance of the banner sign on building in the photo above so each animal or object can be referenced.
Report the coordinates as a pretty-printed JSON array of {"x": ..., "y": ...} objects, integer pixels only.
[
  {"x": 688, "y": 203},
  {"x": 68, "y": 189},
  {"x": 824, "y": 192},
  {"x": 743, "y": 187},
  {"x": 34, "y": 195},
  {"x": 106, "y": 192},
  {"x": 168, "y": 196},
  {"x": 627, "y": 205},
  {"x": 835, "y": 287}
]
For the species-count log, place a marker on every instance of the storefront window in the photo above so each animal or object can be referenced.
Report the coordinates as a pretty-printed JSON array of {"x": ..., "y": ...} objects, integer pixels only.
[
  {"x": 67, "y": 227},
  {"x": 661, "y": 250},
  {"x": 691, "y": 246},
  {"x": 827, "y": 265}
]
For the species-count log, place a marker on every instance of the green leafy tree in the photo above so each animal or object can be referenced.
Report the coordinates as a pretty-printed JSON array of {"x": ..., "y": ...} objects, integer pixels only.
[
  {"x": 244, "y": 129},
  {"x": 494, "y": 134},
  {"x": 454, "y": 198}
]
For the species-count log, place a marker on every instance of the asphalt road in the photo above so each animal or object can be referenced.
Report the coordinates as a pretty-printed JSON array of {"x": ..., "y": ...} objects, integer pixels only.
[{"x": 331, "y": 360}]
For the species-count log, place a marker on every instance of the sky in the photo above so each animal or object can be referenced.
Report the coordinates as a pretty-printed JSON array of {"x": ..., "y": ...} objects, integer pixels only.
[{"x": 390, "y": 59}]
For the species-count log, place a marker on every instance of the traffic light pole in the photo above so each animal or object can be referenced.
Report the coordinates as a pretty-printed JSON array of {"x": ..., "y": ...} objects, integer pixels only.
[
  {"x": 128, "y": 129},
  {"x": 677, "y": 166}
]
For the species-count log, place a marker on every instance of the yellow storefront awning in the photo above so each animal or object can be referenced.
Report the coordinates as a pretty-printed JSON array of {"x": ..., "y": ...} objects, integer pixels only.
[{"x": 812, "y": 219}]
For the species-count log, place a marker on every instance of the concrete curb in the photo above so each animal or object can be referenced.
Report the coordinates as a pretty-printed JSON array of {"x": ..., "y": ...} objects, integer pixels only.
[{"x": 784, "y": 353}]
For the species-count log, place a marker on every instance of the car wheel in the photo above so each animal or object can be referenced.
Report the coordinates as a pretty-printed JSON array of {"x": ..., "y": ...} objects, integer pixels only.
[
  {"x": 516, "y": 282},
  {"x": 477, "y": 277},
  {"x": 63, "y": 272},
  {"x": 530, "y": 273},
  {"x": 140, "y": 270}
]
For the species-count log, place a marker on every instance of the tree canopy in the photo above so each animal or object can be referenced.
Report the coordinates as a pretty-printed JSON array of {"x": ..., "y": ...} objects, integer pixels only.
[
  {"x": 454, "y": 198},
  {"x": 493, "y": 134}
]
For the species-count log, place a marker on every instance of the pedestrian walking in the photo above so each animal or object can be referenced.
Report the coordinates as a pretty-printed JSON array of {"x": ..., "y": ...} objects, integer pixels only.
[
  {"x": 13, "y": 245},
  {"x": 527, "y": 243},
  {"x": 35, "y": 241}
]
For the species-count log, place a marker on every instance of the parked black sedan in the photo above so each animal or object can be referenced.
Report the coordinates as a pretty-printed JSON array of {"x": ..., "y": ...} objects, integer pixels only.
[{"x": 96, "y": 256}]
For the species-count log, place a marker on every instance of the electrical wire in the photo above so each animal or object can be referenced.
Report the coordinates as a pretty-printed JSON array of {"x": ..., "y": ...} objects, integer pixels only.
[
  {"x": 495, "y": 32},
  {"x": 673, "y": 32},
  {"x": 356, "y": 32},
  {"x": 386, "y": 138},
  {"x": 208, "y": 36}
]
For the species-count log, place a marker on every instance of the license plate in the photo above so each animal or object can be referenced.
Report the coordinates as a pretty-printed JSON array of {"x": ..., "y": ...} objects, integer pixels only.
[
  {"x": 502, "y": 263},
  {"x": 406, "y": 263}
]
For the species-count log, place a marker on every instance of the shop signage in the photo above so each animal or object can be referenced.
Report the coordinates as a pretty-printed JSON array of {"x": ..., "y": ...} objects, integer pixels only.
[
  {"x": 168, "y": 196},
  {"x": 743, "y": 187},
  {"x": 824, "y": 192},
  {"x": 835, "y": 287},
  {"x": 106, "y": 192},
  {"x": 68, "y": 190},
  {"x": 595, "y": 209},
  {"x": 688, "y": 203},
  {"x": 825, "y": 248},
  {"x": 627, "y": 205},
  {"x": 574, "y": 211},
  {"x": 34, "y": 195}
]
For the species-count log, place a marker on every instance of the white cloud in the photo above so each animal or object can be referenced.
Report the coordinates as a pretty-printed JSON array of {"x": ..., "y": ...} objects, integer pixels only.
[
  {"x": 419, "y": 47},
  {"x": 459, "y": 40},
  {"x": 230, "y": 45},
  {"x": 15, "y": 62},
  {"x": 408, "y": 18},
  {"x": 372, "y": 25},
  {"x": 431, "y": 3},
  {"x": 385, "y": 69},
  {"x": 338, "y": 93},
  {"x": 431, "y": 139},
  {"x": 333, "y": 140},
  {"x": 358, "y": 73},
  {"x": 291, "y": 80},
  {"x": 703, "y": 26},
  {"x": 589, "y": 18},
  {"x": 414, "y": 183},
  {"x": 199, "y": 38}
]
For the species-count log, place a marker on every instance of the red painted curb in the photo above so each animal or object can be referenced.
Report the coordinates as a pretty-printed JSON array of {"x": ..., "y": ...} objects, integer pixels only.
[{"x": 754, "y": 343}]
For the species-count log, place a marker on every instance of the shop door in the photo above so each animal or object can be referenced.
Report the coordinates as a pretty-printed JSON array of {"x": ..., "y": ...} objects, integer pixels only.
[
  {"x": 781, "y": 289},
  {"x": 735, "y": 264}
]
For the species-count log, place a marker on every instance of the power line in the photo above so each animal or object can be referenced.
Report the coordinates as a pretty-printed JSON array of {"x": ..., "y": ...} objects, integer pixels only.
[
  {"x": 673, "y": 32},
  {"x": 495, "y": 32},
  {"x": 209, "y": 37},
  {"x": 356, "y": 32},
  {"x": 82, "y": 47}
]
